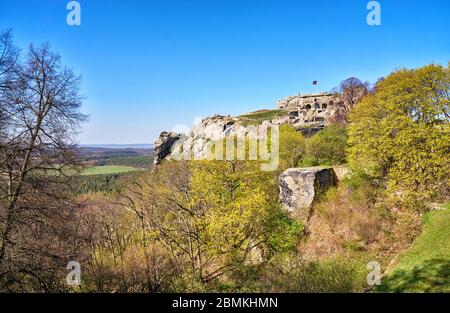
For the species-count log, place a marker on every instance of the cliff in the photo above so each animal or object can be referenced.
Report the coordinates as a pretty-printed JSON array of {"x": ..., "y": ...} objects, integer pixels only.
[{"x": 307, "y": 113}]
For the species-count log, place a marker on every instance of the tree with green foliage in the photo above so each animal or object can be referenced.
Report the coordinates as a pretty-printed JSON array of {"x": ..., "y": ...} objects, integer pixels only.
[
  {"x": 212, "y": 217},
  {"x": 327, "y": 147},
  {"x": 292, "y": 147},
  {"x": 401, "y": 133}
]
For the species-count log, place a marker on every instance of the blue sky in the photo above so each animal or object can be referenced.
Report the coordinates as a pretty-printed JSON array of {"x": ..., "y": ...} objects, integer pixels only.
[{"x": 148, "y": 66}]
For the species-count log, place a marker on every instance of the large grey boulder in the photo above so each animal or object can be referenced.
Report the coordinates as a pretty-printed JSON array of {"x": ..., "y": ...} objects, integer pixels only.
[{"x": 299, "y": 187}]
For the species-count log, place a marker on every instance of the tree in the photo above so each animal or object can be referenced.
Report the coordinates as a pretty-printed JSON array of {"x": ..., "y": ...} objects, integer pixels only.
[
  {"x": 352, "y": 90},
  {"x": 8, "y": 64},
  {"x": 292, "y": 147},
  {"x": 36, "y": 149},
  {"x": 327, "y": 147},
  {"x": 211, "y": 216},
  {"x": 8, "y": 57},
  {"x": 401, "y": 133}
]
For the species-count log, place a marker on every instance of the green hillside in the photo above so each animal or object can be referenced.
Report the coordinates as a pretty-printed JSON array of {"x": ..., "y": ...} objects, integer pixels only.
[
  {"x": 257, "y": 117},
  {"x": 425, "y": 266}
]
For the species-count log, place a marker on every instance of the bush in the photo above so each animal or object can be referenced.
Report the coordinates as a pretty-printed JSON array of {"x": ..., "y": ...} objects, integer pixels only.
[
  {"x": 292, "y": 147},
  {"x": 327, "y": 147},
  {"x": 290, "y": 274}
]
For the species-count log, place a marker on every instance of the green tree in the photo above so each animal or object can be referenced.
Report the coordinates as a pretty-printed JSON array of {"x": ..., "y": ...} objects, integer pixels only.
[
  {"x": 401, "y": 133},
  {"x": 328, "y": 147},
  {"x": 292, "y": 147},
  {"x": 213, "y": 217}
]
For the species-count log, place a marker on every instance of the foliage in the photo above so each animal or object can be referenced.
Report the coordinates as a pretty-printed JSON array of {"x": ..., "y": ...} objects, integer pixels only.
[
  {"x": 217, "y": 225},
  {"x": 329, "y": 275},
  {"x": 292, "y": 147},
  {"x": 101, "y": 183},
  {"x": 118, "y": 259},
  {"x": 132, "y": 161},
  {"x": 346, "y": 221},
  {"x": 327, "y": 147},
  {"x": 401, "y": 133},
  {"x": 208, "y": 218},
  {"x": 289, "y": 273},
  {"x": 425, "y": 266},
  {"x": 236, "y": 204},
  {"x": 283, "y": 231}
]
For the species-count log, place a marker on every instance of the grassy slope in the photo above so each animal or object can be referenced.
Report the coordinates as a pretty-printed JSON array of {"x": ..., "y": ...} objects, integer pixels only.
[
  {"x": 425, "y": 266},
  {"x": 96, "y": 170},
  {"x": 260, "y": 116}
]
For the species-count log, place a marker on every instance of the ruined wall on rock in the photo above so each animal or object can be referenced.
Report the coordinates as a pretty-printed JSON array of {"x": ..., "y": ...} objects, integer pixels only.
[{"x": 313, "y": 111}]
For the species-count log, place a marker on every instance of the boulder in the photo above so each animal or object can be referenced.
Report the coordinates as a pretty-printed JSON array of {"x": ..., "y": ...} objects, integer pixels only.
[{"x": 299, "y": 188}]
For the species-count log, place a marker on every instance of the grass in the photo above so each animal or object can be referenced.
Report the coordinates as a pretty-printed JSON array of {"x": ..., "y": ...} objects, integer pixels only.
[
  {"x": 425, "y": 266},
  {"x": 260, "y": 116},
  {"x": 109, "y": 169}
]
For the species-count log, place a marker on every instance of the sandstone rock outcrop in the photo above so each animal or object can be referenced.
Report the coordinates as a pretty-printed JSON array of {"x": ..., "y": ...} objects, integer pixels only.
[
  {"x": 210, "y": 129},
  {"x": 195, "y": 144},
  {"x": 307, "y": 113},
  {"x": 310, "y": 113},
  {"x": 299, "y": 188},
  {"x": 163, "y": 146}
]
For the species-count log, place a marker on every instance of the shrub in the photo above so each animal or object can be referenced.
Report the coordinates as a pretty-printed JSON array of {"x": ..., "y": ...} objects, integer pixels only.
[
  {"x": 292, "y": 274},
  {"x": 327, "y": 147},
  {"x": 292, "y": 147}
]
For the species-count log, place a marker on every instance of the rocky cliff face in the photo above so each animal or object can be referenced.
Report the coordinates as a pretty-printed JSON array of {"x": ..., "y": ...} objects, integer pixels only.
[
  {"x": 307, "y": 113},
  {"x": 163, "y": 146},
  {"x": 195, "y": 145}
]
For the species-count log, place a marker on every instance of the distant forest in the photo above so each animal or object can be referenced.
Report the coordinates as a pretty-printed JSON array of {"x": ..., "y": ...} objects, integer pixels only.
[{"x": 133, "y": 157}]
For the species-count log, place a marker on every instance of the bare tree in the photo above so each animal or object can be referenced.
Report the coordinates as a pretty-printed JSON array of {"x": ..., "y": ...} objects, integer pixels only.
[
  {"x": 8, "y": 61},
  {"x": 352, "y": 90},
  {"x": 36, "y": 149},
  {"x": 8, "y": 56}
]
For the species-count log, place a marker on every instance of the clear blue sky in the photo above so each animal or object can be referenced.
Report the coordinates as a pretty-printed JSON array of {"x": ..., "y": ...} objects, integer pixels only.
[{"x": 150, "y": 65}]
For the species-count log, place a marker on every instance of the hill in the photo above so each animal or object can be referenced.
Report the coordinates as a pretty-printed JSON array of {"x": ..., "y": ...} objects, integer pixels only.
[{"x": 425, "y": 266}]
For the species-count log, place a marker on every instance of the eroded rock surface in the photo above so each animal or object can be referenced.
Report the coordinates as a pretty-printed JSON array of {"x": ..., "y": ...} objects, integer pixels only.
[
  {"x": 299, "y": 188},
  {"x": 308, "y": 114},
  {"x": 314, "y": 111},
  {"x": 163, "y": 146}
]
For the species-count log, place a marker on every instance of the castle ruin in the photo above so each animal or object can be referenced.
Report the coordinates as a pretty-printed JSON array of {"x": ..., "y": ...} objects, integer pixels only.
[{"x": 313, "y": 108}]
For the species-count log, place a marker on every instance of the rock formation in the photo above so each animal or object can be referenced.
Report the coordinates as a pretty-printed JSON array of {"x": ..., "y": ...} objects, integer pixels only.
[
  {"x": 307, "y": 113},
  {"x": 194, "y": 145},
  {"x": 163, "y": 146},
  {"x": 311, "y": 113},
  {"x": 317, "y": 101},
  {"x": 299, "y": 188}
]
